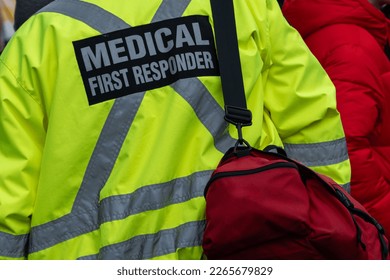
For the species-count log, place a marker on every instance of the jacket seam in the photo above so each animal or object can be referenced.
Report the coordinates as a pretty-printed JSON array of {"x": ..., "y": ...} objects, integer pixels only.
[{"x": 19, "y": 82}]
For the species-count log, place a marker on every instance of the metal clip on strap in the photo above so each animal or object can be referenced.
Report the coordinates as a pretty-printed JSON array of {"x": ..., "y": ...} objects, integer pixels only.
[{"x": 239, "y": 117}]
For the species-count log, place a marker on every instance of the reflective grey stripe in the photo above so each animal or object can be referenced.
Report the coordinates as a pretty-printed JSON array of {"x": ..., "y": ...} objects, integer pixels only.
[
  {"x": 159, "y": 244},
  {"x": 88, "y": 13},
  {"x": 106, "y": 151},
  {"x": 347, "y": 187},
  {"x": 13, "y": 246},
  {"x": 207, "y": 109},
  {"x": 153, "y": 197},
  {"x": 170, "y": 9},
  {"x": 83, "y": 218},
  {"x": 318, "y": 154}
]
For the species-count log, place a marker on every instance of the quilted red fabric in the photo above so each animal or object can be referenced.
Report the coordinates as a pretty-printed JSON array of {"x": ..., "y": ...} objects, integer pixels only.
[{"x": 348, "y": 37}]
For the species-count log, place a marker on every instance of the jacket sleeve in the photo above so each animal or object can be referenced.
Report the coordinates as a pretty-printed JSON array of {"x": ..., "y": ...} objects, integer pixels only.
[
  {"x": 301, "y": 101},
  {"x": 21, "y": 140}
]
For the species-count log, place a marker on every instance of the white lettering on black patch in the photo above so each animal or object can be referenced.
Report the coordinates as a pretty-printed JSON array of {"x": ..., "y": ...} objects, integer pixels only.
[{"x": 146, "y": 57}]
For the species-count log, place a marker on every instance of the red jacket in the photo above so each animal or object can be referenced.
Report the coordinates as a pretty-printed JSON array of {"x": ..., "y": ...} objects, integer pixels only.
[{"x": 348, "y": 37}]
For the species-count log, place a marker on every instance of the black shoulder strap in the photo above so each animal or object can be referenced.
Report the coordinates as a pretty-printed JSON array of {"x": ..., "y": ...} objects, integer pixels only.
[{"x": 236, "y": 111}]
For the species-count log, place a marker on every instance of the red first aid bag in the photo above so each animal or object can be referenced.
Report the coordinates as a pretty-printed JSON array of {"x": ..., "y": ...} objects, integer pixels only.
[{"x": 263, "y": 205}]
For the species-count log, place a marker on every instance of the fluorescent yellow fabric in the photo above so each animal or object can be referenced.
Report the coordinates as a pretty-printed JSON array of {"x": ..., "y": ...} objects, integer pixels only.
[{"x": 48, "y": 132}]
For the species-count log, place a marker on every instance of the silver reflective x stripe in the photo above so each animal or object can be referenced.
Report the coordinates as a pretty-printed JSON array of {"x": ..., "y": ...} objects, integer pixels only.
[
  {"x": 93, "y": 15},
  {"x": 83, "y": 218},
  {"x": 207, "y": 110},
  {"x": 319, "y": 154},
  {"x": 13, "y": 246}
]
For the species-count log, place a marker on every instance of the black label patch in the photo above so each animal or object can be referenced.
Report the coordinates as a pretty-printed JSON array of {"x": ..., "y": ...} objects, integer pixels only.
[{"x": 146, "y": 57}]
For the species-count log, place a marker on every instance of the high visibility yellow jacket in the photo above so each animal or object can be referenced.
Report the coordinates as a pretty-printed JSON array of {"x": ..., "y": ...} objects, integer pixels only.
[{"x": 107, "y": 141}]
